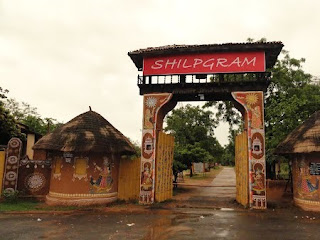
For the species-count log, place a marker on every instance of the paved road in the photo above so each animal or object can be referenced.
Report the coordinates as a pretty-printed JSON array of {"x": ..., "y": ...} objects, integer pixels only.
[
  {"x": 213, "y": 197},
  {"x": 226, "y": 177},
  {"x": 193, "y": 223}
]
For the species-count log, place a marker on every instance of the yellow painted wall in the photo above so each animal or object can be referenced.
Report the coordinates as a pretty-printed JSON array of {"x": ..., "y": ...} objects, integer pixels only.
[
  {"x": 129, "y": 179},
  {"x": 164, "y": 161},
  {"x": 30, "y": 143},
  {"x": 242, "y": 169},
  {"x": 2, "y": 160}
]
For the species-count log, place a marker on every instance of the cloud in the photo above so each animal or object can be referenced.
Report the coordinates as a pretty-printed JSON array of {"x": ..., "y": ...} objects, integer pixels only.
[{"x": 62, "y": 56}]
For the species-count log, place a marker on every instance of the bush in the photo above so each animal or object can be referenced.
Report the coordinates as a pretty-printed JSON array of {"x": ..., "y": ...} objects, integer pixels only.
[{"x": 10, "y": 196}]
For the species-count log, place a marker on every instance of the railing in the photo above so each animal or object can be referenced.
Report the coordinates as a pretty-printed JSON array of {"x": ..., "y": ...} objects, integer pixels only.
[{"x": 204, "y": 78}]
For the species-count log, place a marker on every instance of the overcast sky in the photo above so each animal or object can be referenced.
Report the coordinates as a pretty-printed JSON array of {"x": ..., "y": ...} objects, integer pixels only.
[{"x": 62, "y": 56}]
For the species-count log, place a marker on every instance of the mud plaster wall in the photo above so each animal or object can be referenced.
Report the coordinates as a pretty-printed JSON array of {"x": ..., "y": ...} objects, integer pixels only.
[
  {"x": 68, "y": 183},
  {"x": 306, "y": 186}
]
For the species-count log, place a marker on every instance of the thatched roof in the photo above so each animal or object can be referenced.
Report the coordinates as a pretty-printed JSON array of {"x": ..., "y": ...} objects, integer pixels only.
[
  {"x": 304, "y": 139},
  {"x": 88, "y": 132}
]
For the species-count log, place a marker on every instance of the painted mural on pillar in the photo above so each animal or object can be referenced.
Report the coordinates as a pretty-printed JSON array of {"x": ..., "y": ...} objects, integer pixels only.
[
  {"x": 152, "y": 103},
  {"x": 10, "y": 180},
  {"x": 254, "y": 106}
]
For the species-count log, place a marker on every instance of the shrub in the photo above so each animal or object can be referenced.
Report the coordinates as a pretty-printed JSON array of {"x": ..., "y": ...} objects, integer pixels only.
[{"x": 10, "y": 196}]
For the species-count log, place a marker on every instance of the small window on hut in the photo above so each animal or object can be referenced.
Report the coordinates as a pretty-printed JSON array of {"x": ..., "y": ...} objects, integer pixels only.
[
  {"x": 57, "y": 168},
  {"x": 81, "y": 166}
]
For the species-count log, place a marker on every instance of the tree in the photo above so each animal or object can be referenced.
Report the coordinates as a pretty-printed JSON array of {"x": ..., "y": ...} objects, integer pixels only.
[
  {"x": 290, "y": 99},
  {"x": 28, "y": 115},
  {"x": 193, "y": 129},
  {"x": 228, "y": 156},
  {"x": 8, "y": 128}
]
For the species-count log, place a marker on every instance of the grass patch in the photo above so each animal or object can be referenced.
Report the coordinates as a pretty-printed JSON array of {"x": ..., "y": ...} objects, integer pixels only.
[
  {"x": 19, "y": 206},
  {"x": 34, "y": 205}
]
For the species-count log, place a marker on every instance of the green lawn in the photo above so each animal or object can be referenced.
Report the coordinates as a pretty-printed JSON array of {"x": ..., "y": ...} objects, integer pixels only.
[{"x": 32, "y": 205}]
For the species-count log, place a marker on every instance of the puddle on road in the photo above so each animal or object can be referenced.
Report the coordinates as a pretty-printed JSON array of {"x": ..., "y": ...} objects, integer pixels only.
[
  {"x": 226, "y": 209},
  {"x": 167, "y": 228}
]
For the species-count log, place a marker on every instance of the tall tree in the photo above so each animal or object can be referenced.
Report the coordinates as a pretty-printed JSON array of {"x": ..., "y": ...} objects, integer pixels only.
[
  {"x": 8, "y": 128},
  {"x": 193, "y": 129},
  {"x": 290, "y": 99},
  {"x": 28, "y": 115}
]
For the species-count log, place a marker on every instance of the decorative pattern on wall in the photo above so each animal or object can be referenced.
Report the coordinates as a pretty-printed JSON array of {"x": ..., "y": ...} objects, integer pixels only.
[
  {"x": 254, "y": 106},
  {"x": 35, "y": 182},
  {"x": 307, "y": 185},
  {"x": 152, "y": 103},
  {"x": 57, "y": 167},
  {"x": 12, "y": 165},
  {"x": 104, "y": 182},
  {"x": 80, "y": 168}
]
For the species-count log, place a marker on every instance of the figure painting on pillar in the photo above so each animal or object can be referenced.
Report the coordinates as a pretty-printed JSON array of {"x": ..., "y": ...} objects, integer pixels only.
[
  {"x": 258, "y": 179},
  {"x": 146, "y": 177},
  {"x": 152, "y": 103},
  {"x": 254, "y": 106}
]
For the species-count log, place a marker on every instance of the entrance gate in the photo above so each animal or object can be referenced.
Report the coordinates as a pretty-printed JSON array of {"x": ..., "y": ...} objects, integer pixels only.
[{"x": 215, "y": 72}]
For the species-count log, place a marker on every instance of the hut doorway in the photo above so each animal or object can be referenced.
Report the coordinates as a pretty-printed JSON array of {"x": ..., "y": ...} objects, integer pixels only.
[{"x": 224, "y": 72}]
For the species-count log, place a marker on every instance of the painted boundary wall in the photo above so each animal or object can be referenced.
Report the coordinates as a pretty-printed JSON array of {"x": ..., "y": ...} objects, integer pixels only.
[
  {"x": 242, "y": 165},
  {"x": 129, "y": 179},
  {"x": 164, "y": 178},
  {"x": 2, "y": 160}
]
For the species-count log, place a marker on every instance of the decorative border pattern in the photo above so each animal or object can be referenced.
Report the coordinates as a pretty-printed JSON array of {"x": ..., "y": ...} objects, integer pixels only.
[
  {"x": 253, "y": 103},
  {"x": 306, "y": 202},
  {"x": 10, "y": 180},
  {"x": 96, "y": 195}
]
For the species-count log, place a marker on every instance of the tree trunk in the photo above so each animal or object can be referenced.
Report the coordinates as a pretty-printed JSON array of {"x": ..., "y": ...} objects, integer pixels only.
[{"x": 191, "y": 173}]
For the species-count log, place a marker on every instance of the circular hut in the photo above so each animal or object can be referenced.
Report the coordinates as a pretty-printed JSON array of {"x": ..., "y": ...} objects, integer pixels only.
[
  {"x": 302, "y": 147},
  {"x": 85, "y": 155}
]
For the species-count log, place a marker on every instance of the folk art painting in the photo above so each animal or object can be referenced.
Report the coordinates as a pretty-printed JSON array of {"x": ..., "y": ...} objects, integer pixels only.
[
  {"x": 254, "y": 106},
  {"x": 152, "y": 103}
]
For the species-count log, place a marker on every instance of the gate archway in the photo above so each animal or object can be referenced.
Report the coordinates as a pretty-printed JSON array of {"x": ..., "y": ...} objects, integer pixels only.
[{"x": 215, "y": 72}]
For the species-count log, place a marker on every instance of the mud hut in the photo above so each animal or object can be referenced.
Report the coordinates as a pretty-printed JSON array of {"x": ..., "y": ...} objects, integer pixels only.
[
  {"x": 85, "y": 155},
  {"x": 302, "y": 147}
]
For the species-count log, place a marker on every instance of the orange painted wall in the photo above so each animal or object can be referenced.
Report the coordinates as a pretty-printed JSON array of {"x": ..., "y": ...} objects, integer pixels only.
[{"x": 67, "y": 184}]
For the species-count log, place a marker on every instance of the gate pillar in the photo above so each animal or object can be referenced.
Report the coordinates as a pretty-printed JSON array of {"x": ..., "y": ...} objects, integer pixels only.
[
  {"x": 253, "y": 103},
  {"x": 155, "y": 107}
]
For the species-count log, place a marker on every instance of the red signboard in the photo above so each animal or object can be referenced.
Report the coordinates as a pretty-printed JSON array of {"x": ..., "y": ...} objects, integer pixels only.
[{"x": 227, "y": 62}]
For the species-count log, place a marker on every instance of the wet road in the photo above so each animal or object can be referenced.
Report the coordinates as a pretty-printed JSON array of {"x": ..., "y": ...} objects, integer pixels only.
[
  {"x": 227, "y": 178},
  {"x": 200, "y": 216},
  {"x": 164, "y": 224}
]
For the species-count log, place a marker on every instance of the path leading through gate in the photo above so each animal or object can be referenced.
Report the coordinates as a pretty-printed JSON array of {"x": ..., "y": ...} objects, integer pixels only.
[
  {"x": 221, "y": 185},
  {"x": 221, "y": 192}
]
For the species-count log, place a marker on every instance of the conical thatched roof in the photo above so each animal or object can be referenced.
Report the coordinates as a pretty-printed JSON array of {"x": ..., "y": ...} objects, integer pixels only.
[
  {"x": 88, "y": 132},
  {"x": 304, "y": 139}
]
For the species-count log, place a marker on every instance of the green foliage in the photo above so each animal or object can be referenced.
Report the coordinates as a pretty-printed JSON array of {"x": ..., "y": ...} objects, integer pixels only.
[
  {"x": 8, "y": 128},
  {"x": 29, "y": 116},
  {"x": 10, "y": 196},
  {"x": 228, "y": 156},
  {"x": 193, "y": 129},
  {"x": 137, "y": 147},
  {"x": 290, "y": 99}
]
